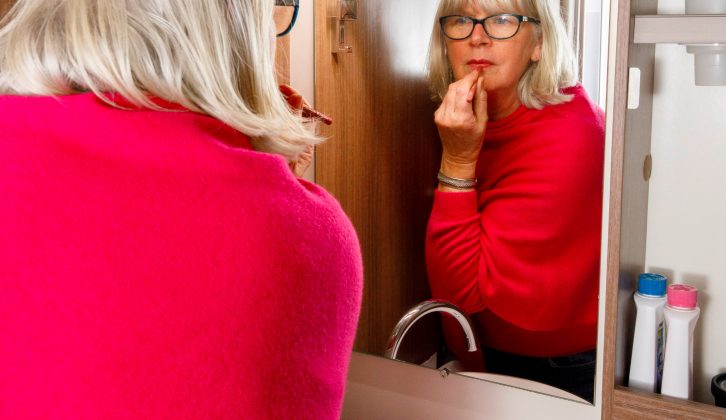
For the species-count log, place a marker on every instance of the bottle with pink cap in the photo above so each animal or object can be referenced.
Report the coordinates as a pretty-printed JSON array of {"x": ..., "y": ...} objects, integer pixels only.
[{"x": 681, "y": 314}]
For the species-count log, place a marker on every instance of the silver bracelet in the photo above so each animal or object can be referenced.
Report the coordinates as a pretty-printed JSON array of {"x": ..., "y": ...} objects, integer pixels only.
[{"x": 458, "y": 183}]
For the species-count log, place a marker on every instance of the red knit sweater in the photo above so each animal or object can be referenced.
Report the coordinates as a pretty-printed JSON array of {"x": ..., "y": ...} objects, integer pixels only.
[
  {"x": 153, "y": 266},
  {"x": 522, "y": 252}
]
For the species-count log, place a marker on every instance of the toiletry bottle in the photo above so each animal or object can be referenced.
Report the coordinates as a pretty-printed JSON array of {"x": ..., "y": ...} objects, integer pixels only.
[
  {"x": 646, "y": 364},
  {"x": 681, "y": 314},
  {"x": 718, "y": 389}
]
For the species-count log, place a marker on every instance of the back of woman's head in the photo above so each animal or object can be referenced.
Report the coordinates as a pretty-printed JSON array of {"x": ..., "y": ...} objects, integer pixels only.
[{"x": 211, "y": 56}]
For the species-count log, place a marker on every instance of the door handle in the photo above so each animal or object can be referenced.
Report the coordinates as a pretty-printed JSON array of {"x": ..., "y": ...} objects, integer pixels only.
[{"x": 343, "y": 11}]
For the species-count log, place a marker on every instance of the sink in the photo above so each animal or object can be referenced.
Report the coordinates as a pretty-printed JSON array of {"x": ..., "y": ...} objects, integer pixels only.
[{"x": 454, "y": 366}]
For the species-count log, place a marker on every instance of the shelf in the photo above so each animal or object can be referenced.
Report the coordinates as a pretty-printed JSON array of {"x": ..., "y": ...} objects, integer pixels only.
[
  {"x": 679, "y": 29},
  {"x": 632, "y": 404}
]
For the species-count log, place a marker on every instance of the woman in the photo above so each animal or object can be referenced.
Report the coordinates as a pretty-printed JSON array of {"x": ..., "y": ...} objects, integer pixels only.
[
  {"x": 514, "y": 233},
  {"x": 158, "y": 257}
]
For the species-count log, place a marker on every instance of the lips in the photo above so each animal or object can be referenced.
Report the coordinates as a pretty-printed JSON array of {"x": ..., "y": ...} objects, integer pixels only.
[{"x": 479, "y": 63}]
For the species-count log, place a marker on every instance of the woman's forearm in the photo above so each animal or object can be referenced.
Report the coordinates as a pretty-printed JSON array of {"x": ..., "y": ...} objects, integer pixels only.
[{"x": 453, "y": 250}]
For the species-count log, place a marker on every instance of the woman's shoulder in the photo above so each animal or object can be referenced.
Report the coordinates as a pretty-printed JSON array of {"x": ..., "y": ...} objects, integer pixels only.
[
  {"x": 301, "y": 204},
  {"x": 182, "y": 149},
  {"x": 575, "y": 119},
  {"x": 580, "y": 110}
]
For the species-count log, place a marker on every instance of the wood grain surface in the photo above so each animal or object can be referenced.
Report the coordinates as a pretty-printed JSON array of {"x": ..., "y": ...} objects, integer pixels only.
[{"x": 382, "y": 154}]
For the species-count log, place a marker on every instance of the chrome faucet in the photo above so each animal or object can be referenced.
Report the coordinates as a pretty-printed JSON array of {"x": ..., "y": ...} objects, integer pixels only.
[{"x": 419, "y": 311}]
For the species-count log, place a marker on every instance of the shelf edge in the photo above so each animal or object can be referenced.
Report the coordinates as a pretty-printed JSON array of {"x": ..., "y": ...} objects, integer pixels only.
[{"x": 679, "y": 29}]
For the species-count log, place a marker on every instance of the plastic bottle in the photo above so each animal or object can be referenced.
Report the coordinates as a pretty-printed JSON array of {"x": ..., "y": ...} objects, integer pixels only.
[
  {"x": 718, "y": 389},
  {"x": 646, "y": 363},
  {"x": 681, "y": 314}
]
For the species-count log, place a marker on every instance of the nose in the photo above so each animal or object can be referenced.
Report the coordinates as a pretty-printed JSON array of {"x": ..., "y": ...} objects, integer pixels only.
[{"x": 479, "y": 35}]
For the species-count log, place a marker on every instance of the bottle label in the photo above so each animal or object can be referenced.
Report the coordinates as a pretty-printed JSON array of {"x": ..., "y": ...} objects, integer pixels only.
[{"x": 660, "y": 337}]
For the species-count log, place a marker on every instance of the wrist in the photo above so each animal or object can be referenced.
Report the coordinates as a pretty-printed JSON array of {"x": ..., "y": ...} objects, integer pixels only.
[
  {"x": 457, "y": 169},
  {"x": 446, "y": 188},
  {"x": 457, "y": 177},
  {"x": 458, "y": 183}
]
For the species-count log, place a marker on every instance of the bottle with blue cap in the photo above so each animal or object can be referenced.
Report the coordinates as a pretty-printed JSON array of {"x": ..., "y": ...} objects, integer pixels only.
[{"x": 646, "y": 364}]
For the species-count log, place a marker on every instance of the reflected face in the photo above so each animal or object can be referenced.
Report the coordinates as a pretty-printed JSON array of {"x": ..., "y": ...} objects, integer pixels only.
[{"x": 503, "y": 61}]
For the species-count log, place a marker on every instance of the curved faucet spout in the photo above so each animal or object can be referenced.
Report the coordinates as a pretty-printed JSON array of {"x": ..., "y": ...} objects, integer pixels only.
[{"x": 425, "y": 308}]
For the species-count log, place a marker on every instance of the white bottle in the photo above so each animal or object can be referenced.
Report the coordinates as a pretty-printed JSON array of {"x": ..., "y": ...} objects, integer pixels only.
[
  {"x": 646, "y": 363},
  {"x": 681, "y": 315}
]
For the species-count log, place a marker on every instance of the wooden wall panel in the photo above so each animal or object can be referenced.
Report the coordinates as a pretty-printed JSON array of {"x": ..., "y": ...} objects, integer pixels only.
[
  {"x": 5, "y": 6},
  {"x": 282, "y": 60},
  {"x": 616, "y": 188},
  {"x": 628, "y": 197},
  {"x": 382, "y": 155}
]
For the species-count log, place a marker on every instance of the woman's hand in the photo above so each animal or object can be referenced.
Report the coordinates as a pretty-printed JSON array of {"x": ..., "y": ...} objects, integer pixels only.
[
  {"x": 302, "y": 164},
  {"x": 298, "y": 104},
  {"x": 293, "y": 98},
  {"x": 461, "y": 120}
]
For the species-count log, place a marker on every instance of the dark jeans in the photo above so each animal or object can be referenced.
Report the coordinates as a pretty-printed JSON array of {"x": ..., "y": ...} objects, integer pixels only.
[{"x": 574, "y": 373}]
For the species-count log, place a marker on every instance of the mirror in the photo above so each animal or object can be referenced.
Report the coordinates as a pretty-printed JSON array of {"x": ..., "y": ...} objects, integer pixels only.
[{"x": 384, "y": 151}]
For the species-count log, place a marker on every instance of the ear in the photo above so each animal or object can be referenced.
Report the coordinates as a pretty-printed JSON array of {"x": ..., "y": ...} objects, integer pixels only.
[{"x": 536, "y": 52}]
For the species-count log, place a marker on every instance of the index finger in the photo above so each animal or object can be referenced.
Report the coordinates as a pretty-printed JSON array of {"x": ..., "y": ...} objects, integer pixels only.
[
  {"x": 293, "y": 97},
  {"x": 471, "y": 80}
]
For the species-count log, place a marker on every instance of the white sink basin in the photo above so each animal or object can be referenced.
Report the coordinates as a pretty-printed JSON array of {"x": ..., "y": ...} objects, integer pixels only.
[
  {"x": 524, "y": 384},
  {"x": 454, "y": 367}
]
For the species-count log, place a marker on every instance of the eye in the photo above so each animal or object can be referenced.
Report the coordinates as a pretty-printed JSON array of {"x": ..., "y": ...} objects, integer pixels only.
[
  {"x": 502, "y": 20},
  {"x": 461, "y": 20}
]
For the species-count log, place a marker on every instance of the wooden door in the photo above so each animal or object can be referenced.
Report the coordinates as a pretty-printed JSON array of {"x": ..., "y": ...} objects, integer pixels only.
[{"x": 382, "y": 155}]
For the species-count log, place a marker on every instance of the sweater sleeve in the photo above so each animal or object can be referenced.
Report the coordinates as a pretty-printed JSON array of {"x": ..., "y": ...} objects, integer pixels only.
[{"x": 453, "y": 249}]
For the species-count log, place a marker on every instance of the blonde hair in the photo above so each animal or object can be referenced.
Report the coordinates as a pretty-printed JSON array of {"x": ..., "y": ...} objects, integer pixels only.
[
  {"x": 210, "y": 56},
  {"x": 543, "y": 80}
]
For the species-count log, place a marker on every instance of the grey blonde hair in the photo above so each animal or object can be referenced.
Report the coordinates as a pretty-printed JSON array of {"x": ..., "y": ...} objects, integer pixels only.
[
  {"x": 210, "y": 56},
  {"x": 542, "y": 82}
]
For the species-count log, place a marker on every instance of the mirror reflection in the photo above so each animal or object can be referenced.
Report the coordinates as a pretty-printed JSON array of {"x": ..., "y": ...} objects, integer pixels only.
[
  {"x": 514, "y": 234},
  {"x": 500, "y": 207}
]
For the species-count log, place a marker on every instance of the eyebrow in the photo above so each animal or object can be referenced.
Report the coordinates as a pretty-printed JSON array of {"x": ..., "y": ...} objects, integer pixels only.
[{"x": 487, "y": 12}]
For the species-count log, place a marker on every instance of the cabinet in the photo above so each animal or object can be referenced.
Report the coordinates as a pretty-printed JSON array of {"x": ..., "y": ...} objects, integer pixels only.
[{"x": 637, "y": 30}]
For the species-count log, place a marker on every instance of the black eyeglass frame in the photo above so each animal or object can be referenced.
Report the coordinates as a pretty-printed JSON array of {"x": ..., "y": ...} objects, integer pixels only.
[
  {"x": 296, "y": 5},
  {"x": 520, "y": 19}
]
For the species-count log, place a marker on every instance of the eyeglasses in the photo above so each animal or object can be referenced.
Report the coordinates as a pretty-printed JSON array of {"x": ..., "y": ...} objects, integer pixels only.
[
  {"x": 285, "y": 15},
  {"x": 502, "y": 26}
]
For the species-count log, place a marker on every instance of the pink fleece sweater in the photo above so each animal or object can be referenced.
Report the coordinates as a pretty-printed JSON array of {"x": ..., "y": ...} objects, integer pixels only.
[{"x": 152, "y": 265}]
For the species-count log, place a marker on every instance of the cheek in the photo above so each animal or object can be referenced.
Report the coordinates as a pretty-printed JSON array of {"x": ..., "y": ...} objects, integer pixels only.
[
  {"x": 273, "y": 41},
  {"x": 458, "y": 70},
  {"x": 456, "y": 58},
  {"x": 523, "y": 59}
]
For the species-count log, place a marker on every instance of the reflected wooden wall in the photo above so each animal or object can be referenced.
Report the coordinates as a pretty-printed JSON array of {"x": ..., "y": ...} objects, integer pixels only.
[
  {"x": 282, "y": 60},
  {"x": 5, "y": 5},
  {"x": 383, "y": 151}
]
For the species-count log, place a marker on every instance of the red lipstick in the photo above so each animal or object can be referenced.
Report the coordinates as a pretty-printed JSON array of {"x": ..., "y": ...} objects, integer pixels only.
[{"x": 479, "y": 63}]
